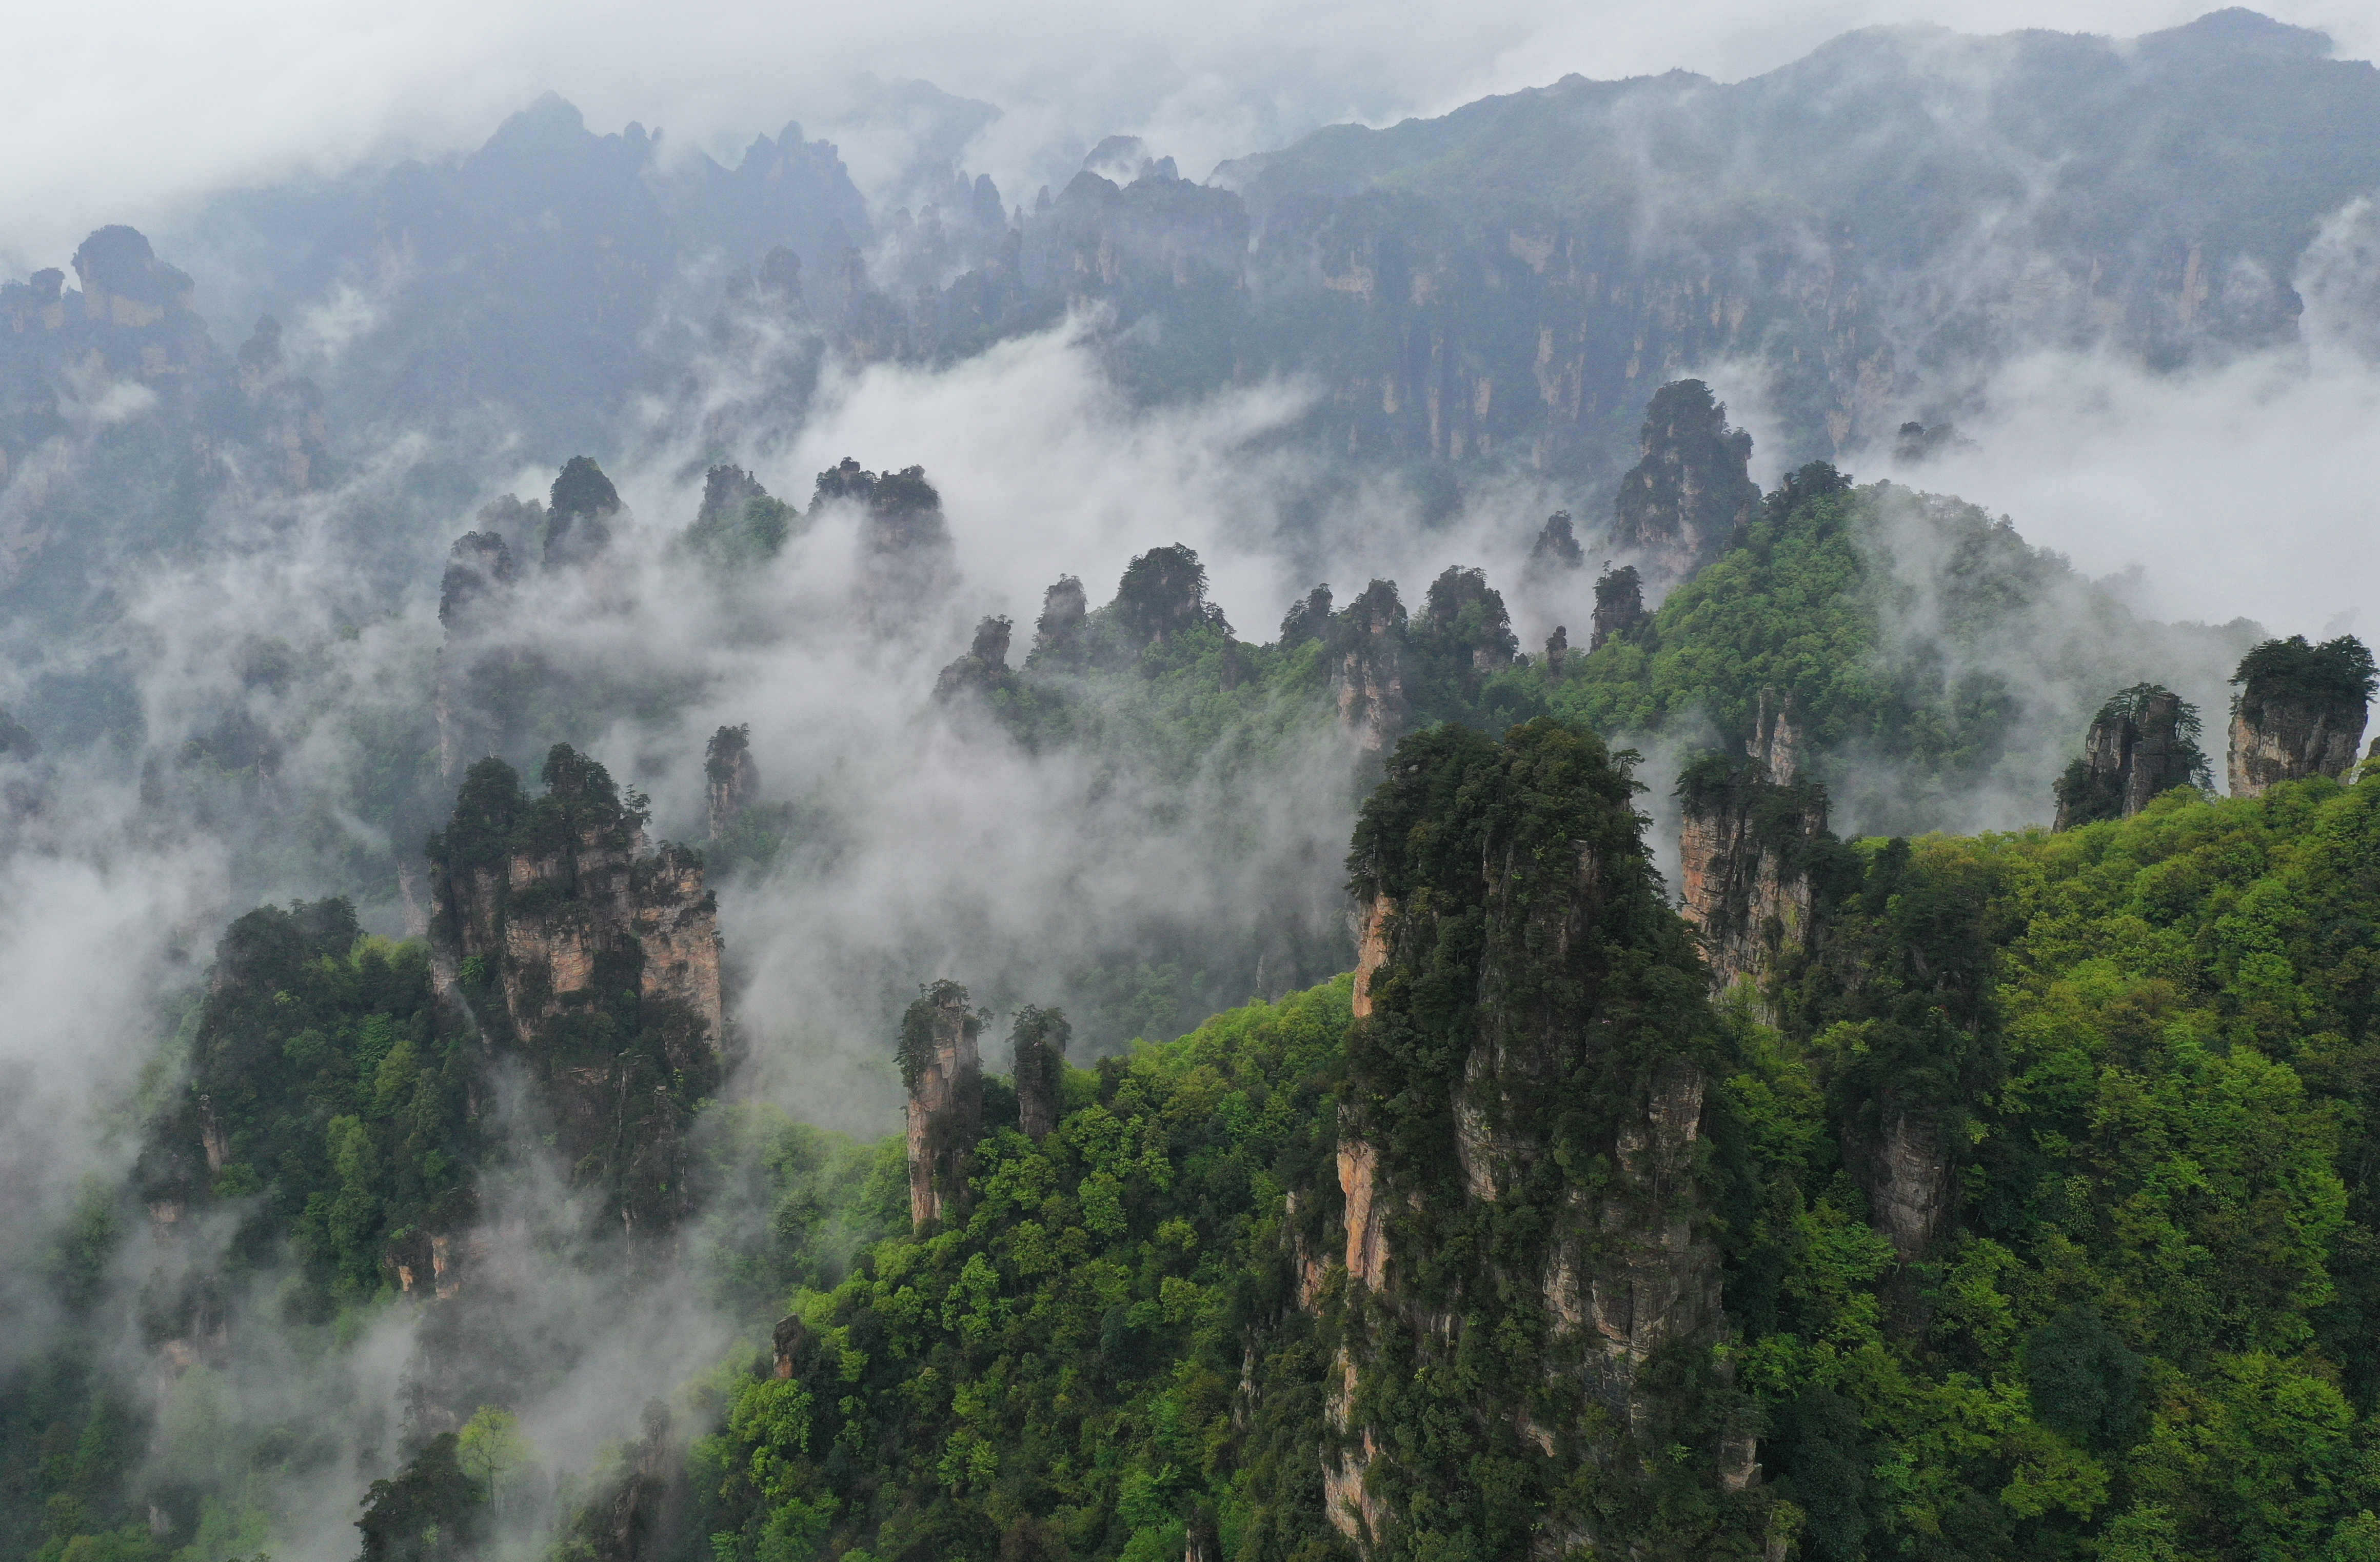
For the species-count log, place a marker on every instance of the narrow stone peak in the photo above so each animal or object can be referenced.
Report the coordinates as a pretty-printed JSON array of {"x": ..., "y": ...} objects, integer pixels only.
[
  {"x": 1037, "y": 1044},
  {"x": 2143, "y": 743},
  {"x": 1691, "y": 492},
  {"x": 1619, "y": 606},
  {"x": 1367, "y": 667},
  {"x": 731, "y": 779},
  {"x": 574, "y": 947},
  {"x": 944, "y": 1075},
  {"x": 2299, "y": 713}
]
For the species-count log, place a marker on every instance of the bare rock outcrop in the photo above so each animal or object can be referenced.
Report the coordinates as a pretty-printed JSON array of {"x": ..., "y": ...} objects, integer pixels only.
[
  {"x": 2143, "y": 743},
  {"x": 591, "y": 958},
  {"x": 983, "y": 670},
  {"x": 1556, "y": 553},
  {"x": 1909, "y": 1183},
  {"x": 1367, "y": 667},
  {"x": 731, "y": 779},
  {"x": 944, "y": 1076},
  {"x": 2300, "y": 711},
  {"x": 1691, "y": 492},
  {"x": 1512, "y": 872},
  {"x": 1745, "y": 832}
]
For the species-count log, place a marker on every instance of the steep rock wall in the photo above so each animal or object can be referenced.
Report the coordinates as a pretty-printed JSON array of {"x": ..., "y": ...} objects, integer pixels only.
[
  {"x": 2143, "y": 743},
  {"x": 1744, "y": 836},
  {"x": 1518, "y": 1154},
  {"x": 2286, "y": 741},
  {"x": 594, "y": 959},
  {"x": 940, "y": 1065},
  {"x": 2299, "y": 713}
]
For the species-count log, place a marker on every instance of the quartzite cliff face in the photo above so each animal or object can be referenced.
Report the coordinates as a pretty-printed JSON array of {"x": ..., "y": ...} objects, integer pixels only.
[
  {"x": 1691, "y": 492},
  {"x": 1501, "y": 1046},
  {"x": 594, "y": 960},
  {"x": 2142, "y": 744},
  {"x": 1744, "y": 839},
  {"x": 944, "y": 1073},
  {"x": 2299, "y": 713}
]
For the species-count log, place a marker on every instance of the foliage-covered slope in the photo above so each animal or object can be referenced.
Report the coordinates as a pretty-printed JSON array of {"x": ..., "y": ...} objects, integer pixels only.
[
  {"x": 2137, "y": 1327},
  {"x": 1057, "y": 1376}
]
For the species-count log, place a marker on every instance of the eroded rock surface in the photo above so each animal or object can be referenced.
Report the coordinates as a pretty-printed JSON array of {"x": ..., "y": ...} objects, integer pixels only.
[
  {"x": 1691, "y": 491},
  {"x": 2143, "y": 743},
  {"x": 1745, "y": 833},
  {"x": 1367, "y": 667},
  {"x": 592, "y": 958},
  {"x": 2299, "y": 713},
  {"x": 1509, "y": 874},
  {"x": 944, "y": 1075}
]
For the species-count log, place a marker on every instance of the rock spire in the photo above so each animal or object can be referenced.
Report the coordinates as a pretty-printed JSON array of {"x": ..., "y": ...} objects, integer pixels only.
[
  {"x": 2300, "y": 711},
  {"x": 944, "y": 1076}
]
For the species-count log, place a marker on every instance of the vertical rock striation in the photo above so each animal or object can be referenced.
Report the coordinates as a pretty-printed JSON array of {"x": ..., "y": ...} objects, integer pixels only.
[
  {"x": 2143, "y": 743},
  {"x": 1518, "y": 1161},
  {"x": 944, "y": 1076},
  {"x": 593, "y": 961},
  {"x": 2300, "y": 711},
  {"x": 1691, "y": 492},
  {"x": 1746, "y": 831}
]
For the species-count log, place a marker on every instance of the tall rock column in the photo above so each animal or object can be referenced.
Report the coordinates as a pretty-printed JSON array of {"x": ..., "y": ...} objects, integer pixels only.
[
  {"x": 730, "y": 780},
  {"x": 1619, "y": 605},
  {"x": 1746, "y": 829},
  {"x": 940, "y": 1065},
  {"x": 1525, "y": 1213},
  {"x": 592, "y": 958},
  {"x": 906, "y": 559},
  {"x": 1367, "y": 666},
  {"x": 2300, "y": 711},
  {"x": 1691, "y": 491},
  {"x": 2143, "y": 743},
  {"x": 1040, "y": 1044}
]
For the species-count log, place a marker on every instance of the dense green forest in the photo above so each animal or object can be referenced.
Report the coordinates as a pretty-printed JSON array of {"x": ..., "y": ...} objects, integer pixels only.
[
  {"x": 2025, "y": 1198},
  {"x": 2141, "y": 1053},
  {"x": 552, "y": 1020},
  {"x": 2143, "y": 1332}
]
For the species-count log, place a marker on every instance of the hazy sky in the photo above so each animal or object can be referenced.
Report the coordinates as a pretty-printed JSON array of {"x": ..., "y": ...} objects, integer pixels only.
[{"x": 116, "y": 109}]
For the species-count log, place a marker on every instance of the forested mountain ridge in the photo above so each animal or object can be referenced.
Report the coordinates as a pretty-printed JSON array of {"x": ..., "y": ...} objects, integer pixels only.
[
  {"x": 856, "y": 958},
  {"x": 2125, "y": 1323},
  {"x": 1871, "y": 230}
]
